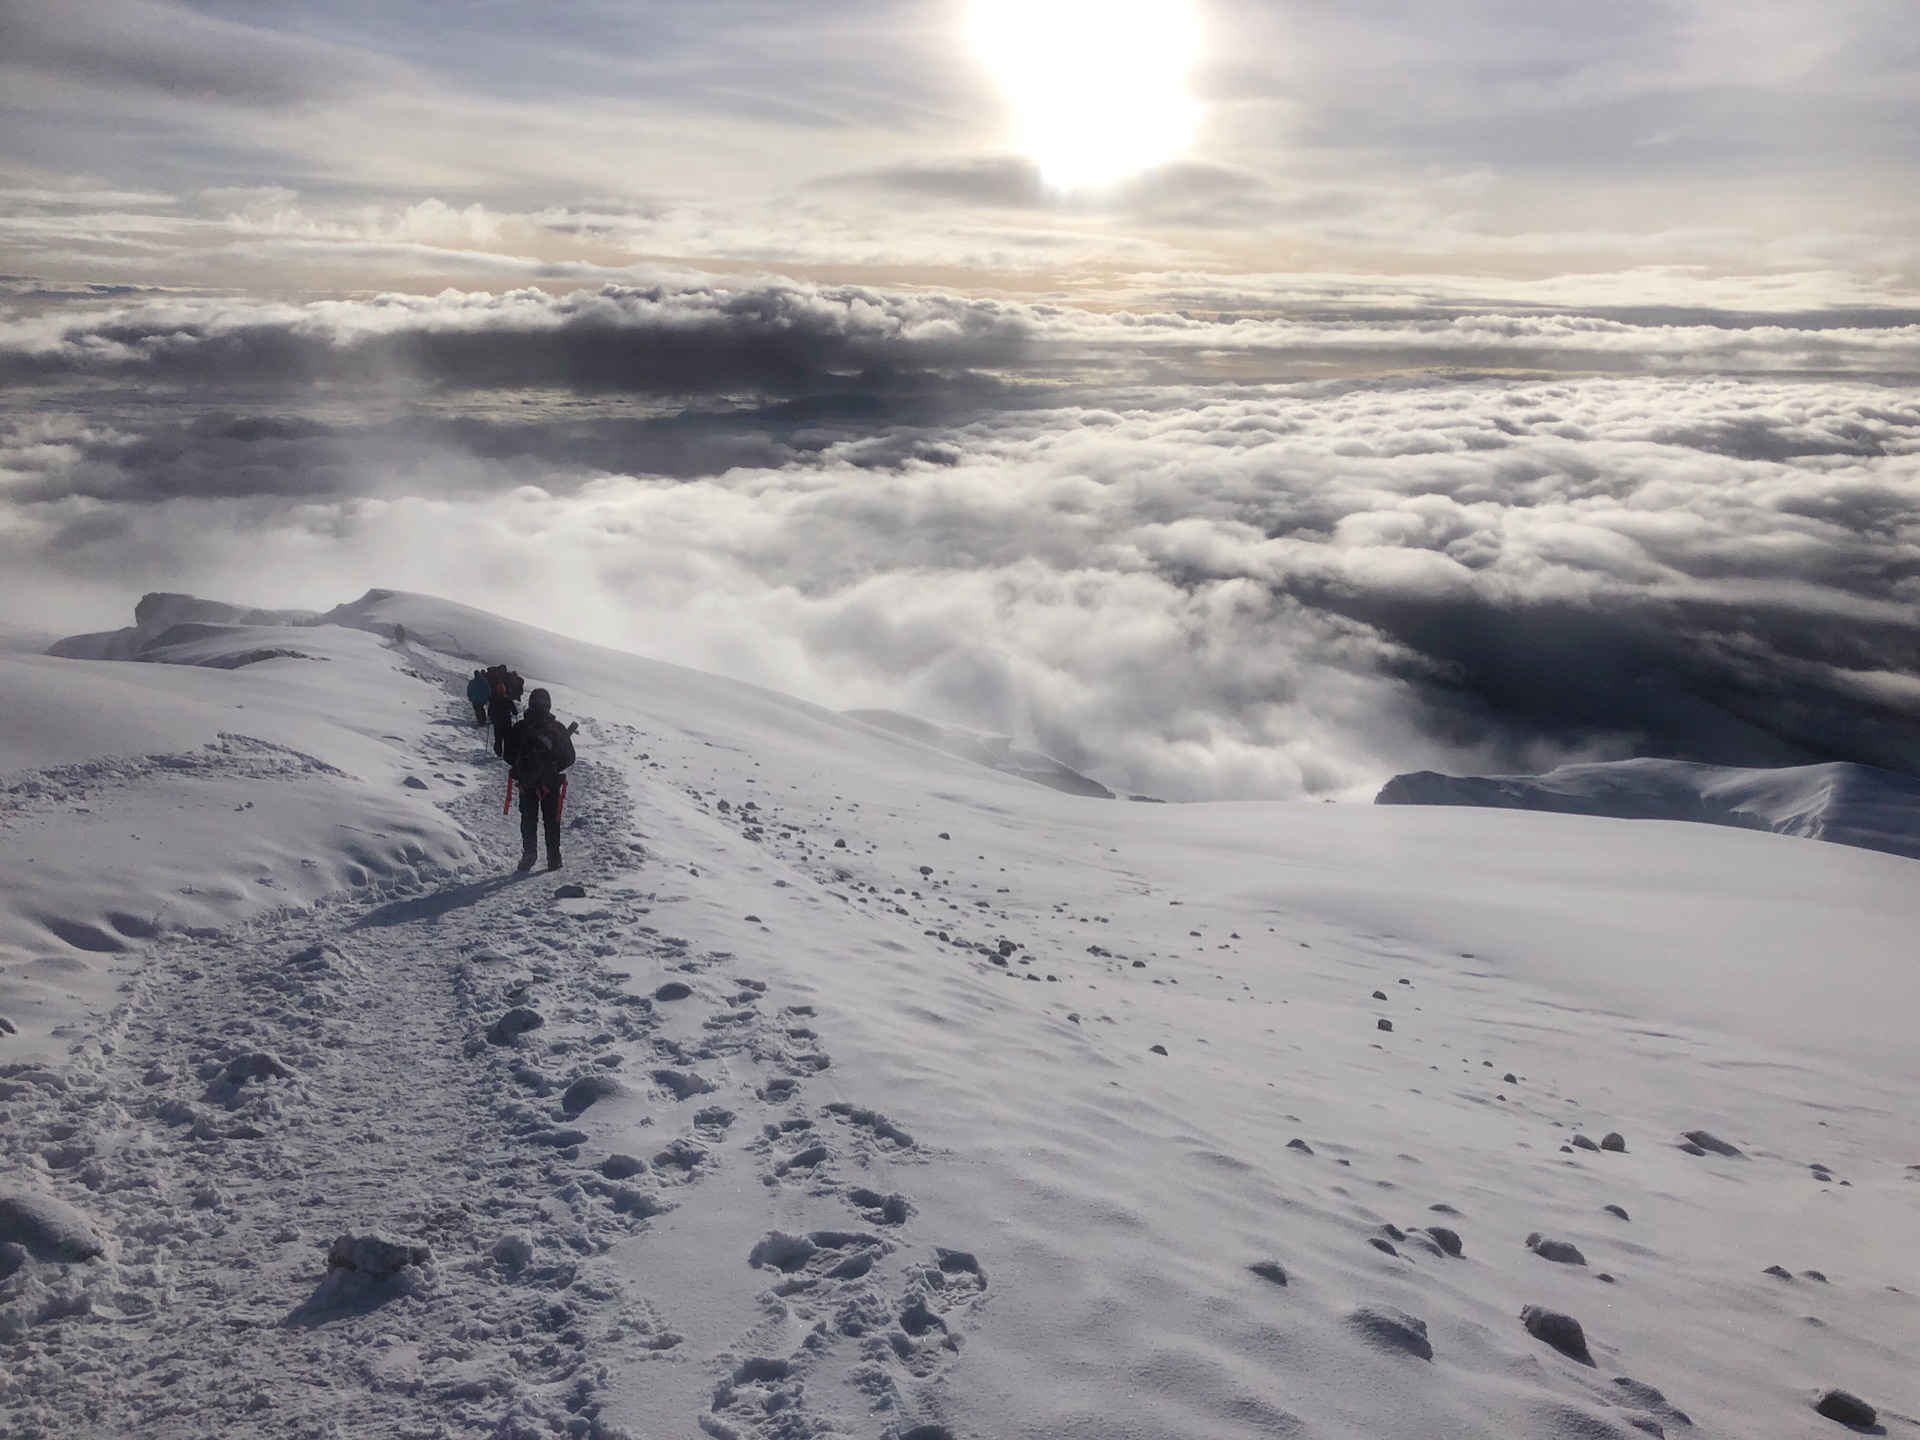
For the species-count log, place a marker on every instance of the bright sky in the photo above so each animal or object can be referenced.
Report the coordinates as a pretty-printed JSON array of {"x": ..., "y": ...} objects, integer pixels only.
[{"x": 1755, "y": 152}]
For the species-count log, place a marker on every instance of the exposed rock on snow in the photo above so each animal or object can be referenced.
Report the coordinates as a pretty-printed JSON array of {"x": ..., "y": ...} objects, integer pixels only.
[
  {"x": 1847, "y": 1408},
  {"x": 1666, "y": 973},
  {"x": 1713, "y": 1144},
  {"x": 1844, "y": 803},
  {"x": 48, "y": 1228},
  {"x": 1562, "y": 1332},
  {"x": 1561, "y": 1252}
]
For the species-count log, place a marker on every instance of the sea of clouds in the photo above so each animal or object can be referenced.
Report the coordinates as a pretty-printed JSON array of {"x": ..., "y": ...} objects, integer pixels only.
[{"x": 1198, "y": 556}]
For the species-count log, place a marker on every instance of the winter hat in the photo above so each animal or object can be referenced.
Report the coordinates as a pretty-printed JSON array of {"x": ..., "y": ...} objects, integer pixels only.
[{"x": 539, "y": 700}]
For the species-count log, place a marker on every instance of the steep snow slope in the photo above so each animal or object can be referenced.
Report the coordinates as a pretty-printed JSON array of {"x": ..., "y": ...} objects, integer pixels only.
[
  {"x": 876, "y": 1027},
  {"x": 1847, "y": 804}
]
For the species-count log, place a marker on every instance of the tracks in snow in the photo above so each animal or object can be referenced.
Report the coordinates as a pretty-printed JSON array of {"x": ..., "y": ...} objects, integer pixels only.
[{"x": 261, "y": 1092}]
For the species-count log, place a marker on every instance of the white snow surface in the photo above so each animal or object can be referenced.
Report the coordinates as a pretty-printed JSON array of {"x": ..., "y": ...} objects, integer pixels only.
[
  {"x": 1843, "y": 803},
  {"x": 770, "y": 1135}
]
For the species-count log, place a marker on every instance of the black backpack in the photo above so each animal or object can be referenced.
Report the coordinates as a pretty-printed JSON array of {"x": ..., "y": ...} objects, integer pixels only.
[{"x": 545, "y": 750}]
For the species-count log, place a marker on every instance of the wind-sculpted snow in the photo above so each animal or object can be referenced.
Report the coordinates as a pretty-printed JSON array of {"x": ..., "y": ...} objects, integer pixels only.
[
  {"x": 927, "y": 1103},
  {"x": 1847, "y": 804}
]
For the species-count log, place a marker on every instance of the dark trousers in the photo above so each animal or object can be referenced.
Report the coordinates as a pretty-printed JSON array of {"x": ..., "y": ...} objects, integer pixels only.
[
  {"x": 479, "y": 711},
  {"x": 536, "y": 808}
]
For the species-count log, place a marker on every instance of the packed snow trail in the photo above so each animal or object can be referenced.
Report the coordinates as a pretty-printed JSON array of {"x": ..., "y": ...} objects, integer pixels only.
[
  {"x": 924, "y": 1101},
  {"x": 263, "y": 1091}
]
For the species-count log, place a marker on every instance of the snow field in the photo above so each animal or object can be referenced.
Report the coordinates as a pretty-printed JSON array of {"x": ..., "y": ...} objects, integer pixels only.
[{"x": 842, "y": 1113}]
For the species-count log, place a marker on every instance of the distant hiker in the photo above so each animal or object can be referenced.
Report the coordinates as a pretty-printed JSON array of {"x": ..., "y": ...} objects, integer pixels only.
[
  {"x": 538, "y": 751},
  {"x": 399, "y": 634},
  {"x": 501, "y": 710},
  {"x": 479, "y": 692}
]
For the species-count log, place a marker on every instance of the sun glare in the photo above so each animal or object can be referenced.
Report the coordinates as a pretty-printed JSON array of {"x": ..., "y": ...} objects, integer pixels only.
[{"x": 1098, "y": 87}]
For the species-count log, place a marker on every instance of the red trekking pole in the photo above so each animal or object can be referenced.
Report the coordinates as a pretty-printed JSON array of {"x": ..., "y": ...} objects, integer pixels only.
[{"x": 560, "y": 809}]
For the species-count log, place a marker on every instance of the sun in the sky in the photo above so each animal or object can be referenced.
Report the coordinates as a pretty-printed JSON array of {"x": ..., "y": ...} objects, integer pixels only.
[{"x": 1099, "y": 87}]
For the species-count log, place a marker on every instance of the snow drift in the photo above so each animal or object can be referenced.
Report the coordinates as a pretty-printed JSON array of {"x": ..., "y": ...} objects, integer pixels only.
[
  {"x": 1846, "y": 804},
  {"x": 853, "y": 1087}
]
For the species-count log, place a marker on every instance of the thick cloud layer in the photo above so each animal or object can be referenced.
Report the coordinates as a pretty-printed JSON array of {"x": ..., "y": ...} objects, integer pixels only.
[{"x": 1699, "y": 540}]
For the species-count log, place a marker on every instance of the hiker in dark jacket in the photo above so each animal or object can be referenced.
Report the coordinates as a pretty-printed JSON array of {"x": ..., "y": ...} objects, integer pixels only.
[
  {"x": 501, "y": 710},
  {"x": 479, "y": 692},
  {"x": 538, "y": 751}
]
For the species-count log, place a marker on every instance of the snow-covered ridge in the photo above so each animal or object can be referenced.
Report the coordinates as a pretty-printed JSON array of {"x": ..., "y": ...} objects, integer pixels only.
[
  {"x": 996, "y": 752},
  {"x": 850, "y": 1087},
  {"x": 1846, "y": 804}
]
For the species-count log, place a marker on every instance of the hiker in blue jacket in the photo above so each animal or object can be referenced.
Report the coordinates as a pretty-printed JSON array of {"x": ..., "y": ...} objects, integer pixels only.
[{"x": 479, "y": 692}]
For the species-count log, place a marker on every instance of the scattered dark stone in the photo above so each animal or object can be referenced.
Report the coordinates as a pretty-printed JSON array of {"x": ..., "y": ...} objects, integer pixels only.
[
  {"x": 1647, "y": 1425},
  {"x": 1691, "y": 1148},
  {"x": 1393, "y": 1232},
  {"x": 1779, "y": 1272},
  {"x": 570, "y": 891},
  {"x": 1616, "y": 1210},
  {"x": 1604, "y": 1278},
  {"x": 1508, "y": 1078},
  {"x": 1707, "y": 1140},
  {"x": 1447, "y": 1240},
  {"x": 1383, "y": 1025},
  {"x": 622, "y": 1167},
  {"x": 945, "y": 836},
  {"x": 839, "y": 844},
  {"x": 1385, "y": 1246},
  {"x": 414, "y": 782},
  {"x": 1300, "y": 1145},
  {"x": 1158, "y": 1049},
  {"x": 1561, "y": 1252},
  {"x": 1379, "y": 994},
  {"x": 512, "y": 1025},
  {"x": 1270, "y": 1270},
  {"x": 1443, "y": 1209},
  {"x": 1581, "y": 1142},
  {"x": 752, "y": 919},
  {"x": 1139, "y": 964},
  {"x": 1847, "y": 1408},
  {"x": 1406, "y": 982},
  {"x": 1813, "y": 1275},
  {"x": 1392, "y": 1330},
  {"x": 588, "y": 1090},
  {"x": 1562, "y": 1332},
  {"x": 673, "y": 990},
  {"x": 926, "y": 870},
  {"x": 1613, "y": 1140}
]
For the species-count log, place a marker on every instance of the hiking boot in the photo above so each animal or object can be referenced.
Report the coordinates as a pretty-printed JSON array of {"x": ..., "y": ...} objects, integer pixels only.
[
  {"x": 526, "y": 862},
  {"x": 553, "y": 861}
]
